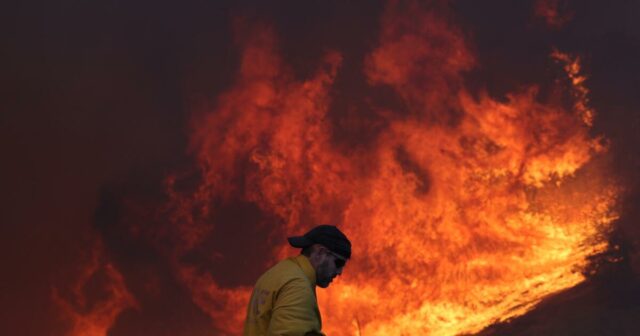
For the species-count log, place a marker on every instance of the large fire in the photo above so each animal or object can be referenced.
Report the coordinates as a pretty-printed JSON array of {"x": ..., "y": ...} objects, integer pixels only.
[{"x": 463, "y": 211}]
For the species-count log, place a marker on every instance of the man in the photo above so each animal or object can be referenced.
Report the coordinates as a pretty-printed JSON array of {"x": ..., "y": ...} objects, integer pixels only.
[{"x": 284, "y": 301}]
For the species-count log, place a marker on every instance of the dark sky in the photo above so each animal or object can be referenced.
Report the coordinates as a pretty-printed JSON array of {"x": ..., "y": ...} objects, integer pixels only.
[{"x": 99, "y": 93}]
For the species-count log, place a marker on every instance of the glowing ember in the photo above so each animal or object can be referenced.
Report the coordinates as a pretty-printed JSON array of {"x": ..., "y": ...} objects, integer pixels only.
[
  {"x": 553, "y": 12},
  {"x": 464, "y": 212},
  {"x": 580, "y": 91}
]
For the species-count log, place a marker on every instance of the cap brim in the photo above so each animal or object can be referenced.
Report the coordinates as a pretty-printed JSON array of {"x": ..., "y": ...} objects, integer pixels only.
[{"x": 300, "y": 242}]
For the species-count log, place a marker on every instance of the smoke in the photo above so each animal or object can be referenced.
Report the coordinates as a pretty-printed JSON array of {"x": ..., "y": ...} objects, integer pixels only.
[{"x": 555, "y": 13}]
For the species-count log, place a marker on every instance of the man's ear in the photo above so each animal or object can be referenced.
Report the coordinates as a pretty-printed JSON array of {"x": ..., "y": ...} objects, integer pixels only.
[
  {"x": 318, "y": 251},
  {"x": 321, "y": 249}
]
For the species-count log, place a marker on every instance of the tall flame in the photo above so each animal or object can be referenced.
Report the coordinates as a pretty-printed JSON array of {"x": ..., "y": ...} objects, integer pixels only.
[{"x": 464, "y": 211}]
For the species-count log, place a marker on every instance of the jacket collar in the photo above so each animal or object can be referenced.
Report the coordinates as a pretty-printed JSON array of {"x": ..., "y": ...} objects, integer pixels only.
[{"x": 307, "y": 269}]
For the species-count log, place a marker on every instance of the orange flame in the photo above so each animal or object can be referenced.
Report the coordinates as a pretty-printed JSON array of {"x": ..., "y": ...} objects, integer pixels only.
[
  {"x": 95, "y": 317},
  {"x": 580, "y": 91},
  {"x": 458, "y": 219}
]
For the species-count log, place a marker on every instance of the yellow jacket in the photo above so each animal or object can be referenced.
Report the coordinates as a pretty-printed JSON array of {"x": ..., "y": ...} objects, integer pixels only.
[{"x": 283, "y": 301}]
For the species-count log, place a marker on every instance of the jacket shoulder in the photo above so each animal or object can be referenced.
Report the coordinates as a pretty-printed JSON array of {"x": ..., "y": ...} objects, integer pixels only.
[{"x": 281, "y": 273}]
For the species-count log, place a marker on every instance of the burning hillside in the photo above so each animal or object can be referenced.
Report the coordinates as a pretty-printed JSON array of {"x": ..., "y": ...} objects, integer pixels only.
[{"x": 465, "y": 208}]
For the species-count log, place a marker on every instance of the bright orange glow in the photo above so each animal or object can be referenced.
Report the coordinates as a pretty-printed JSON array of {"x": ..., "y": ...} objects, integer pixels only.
[{"x": 458, "y": 220}]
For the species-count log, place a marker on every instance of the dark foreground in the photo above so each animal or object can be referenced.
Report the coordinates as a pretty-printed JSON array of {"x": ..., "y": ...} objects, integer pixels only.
[{"x": 605, "y": 305}]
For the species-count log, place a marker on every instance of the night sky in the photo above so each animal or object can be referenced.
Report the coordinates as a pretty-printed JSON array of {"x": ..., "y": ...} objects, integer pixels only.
[{"x": 97, "y": 98}]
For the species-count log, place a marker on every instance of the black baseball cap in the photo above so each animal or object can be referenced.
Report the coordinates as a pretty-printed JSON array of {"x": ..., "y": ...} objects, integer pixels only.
[{"x": 327, "y": 235}]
